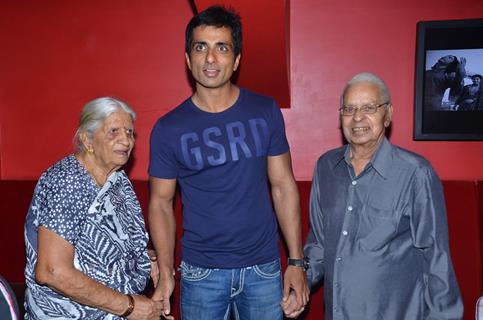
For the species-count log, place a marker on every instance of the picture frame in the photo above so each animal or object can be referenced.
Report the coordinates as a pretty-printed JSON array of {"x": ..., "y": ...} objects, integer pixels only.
[{"x": 448, "y": 96}]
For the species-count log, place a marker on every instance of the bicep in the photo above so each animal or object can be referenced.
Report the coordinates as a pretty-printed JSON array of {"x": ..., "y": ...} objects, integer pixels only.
[
  {"x": 162, "y": 189},
  {"x": 280, "y": 169}
]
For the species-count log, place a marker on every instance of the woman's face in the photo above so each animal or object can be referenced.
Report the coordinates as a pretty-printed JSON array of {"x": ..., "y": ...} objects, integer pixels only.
[{"x": 113, "y": 141}]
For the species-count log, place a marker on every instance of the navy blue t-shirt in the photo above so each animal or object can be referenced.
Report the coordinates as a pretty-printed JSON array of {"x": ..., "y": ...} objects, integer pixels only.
[{"x": 220, "y": 162}]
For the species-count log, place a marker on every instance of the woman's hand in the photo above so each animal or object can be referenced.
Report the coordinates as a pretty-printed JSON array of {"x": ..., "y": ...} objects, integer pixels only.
[{"x": 146, "y": 309}]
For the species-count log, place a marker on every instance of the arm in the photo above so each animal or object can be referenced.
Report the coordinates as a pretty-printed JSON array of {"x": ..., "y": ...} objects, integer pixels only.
[
  {"x": 430, "y": 235},
  {"x": 55, "y": 268},
  {"x": 162, "y": 225},
  {"x": 287, "y": 206},
  {"x": 314, "y": 246}
]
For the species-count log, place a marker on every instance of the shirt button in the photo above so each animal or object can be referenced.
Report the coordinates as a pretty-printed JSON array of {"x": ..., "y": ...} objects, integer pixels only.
[
  {"x": 336, "y": 285},
  {"x": 344, "y": 232},
  {"x": 350, "y": 208},
  {"x": 336, "y": 309},
  {"x": 354, "y": 183},
  {"x": 338, "y": 259}
]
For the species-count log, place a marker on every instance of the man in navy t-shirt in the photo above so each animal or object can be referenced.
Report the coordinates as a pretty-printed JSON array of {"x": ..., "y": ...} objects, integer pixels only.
[{"x": 224, "y": 145}]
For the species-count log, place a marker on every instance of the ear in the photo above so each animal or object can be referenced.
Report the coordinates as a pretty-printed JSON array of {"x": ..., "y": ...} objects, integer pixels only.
[
  {"x": 237, "y": 62},
  {"x": 388, "y": 116},
  {"x": 86, "y": 142},
  {"x": 188, "y": 62}
]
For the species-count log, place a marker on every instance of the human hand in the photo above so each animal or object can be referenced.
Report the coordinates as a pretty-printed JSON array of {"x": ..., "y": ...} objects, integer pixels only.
[
  {"x": 163, "y": 291},
  {"x": 289, "y": 306},
  {"x": 154, "y": 266},
  {"x": 146, "y": 309},
  {"x": 295, "y": 282}
]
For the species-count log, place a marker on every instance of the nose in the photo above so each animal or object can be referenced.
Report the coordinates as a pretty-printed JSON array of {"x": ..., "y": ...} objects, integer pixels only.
[
  {"x": 210, "y": 55},
  {"x": 125, "y": 137},
  {"x": 358, "y": 115}
]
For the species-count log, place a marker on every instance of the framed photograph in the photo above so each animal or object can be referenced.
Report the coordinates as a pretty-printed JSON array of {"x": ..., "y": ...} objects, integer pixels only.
[{"x": 449, "y": 87}]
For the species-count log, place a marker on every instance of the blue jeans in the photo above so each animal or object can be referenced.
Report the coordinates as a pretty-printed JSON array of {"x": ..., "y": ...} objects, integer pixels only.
[{"x": 244, "y": 293}]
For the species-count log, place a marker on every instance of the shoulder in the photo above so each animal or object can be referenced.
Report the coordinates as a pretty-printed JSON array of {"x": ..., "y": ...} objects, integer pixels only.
[
  {"x": 257, "y": 98},
  {"x": 63, "y": 173},
  {"x": 179, "y": 113},
  {"x": 407, "y": 158},
  {"x": 331, "y": 157}
]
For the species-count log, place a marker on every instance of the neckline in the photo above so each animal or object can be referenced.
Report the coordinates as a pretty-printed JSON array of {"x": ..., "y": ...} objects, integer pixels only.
[{"x": 230, "y": 109}]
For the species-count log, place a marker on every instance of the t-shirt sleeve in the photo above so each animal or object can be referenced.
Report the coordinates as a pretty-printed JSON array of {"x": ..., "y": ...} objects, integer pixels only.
[
  {"x": 278, "y": 139},
  {"x": 162, "y": 162},
  {"x": 60, "y": 206}
]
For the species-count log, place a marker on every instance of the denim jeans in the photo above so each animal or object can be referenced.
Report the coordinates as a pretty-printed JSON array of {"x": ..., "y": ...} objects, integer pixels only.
[{"x": 251, "y": 293}]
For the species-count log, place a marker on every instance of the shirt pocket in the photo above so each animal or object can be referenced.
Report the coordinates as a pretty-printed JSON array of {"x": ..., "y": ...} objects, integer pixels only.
[{"x": 377, "y": 226}]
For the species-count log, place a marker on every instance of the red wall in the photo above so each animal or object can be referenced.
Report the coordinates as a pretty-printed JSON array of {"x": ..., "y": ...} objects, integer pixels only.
[{"x": 56, "y": 55}]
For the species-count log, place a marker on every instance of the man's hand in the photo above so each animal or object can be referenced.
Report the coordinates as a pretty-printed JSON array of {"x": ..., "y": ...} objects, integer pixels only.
[
  {"x": 289, "y": 308},
  {"x": 154, "y": 266},
  {"x": 295, "y": 291},
  {"x": 164, "y": 289}
]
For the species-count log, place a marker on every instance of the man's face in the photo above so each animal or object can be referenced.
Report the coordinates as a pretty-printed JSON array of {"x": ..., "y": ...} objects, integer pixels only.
[
  {"x": 476, "y": 81},
  {"x": 212, "y": 60},
  {"x": 365, "y": 130}
]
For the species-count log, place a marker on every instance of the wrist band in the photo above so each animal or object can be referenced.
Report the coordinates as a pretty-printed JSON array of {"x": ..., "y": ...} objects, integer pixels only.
[{"x": 130, "y": 308}]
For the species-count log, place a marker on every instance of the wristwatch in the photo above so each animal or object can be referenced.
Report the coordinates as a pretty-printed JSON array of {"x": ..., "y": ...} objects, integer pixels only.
[{"x": 302, "y": 263}]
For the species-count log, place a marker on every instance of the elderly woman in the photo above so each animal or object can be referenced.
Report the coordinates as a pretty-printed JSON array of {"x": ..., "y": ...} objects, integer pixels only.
[{"x": 85, "y": 236}]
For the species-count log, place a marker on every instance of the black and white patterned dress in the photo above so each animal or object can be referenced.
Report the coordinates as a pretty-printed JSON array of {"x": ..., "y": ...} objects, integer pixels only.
[{"x": 105, "y": 226}]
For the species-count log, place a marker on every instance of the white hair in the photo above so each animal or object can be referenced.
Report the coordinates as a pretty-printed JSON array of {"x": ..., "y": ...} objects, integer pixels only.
[
  {"x": 371, "y": 78},
  {"x": 93, "y": 115}
]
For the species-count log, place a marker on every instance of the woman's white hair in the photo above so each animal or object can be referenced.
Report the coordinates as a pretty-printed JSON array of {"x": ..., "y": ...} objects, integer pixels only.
[
  {"x": 93, "y": 115},
  {"x": 371, "y": 78}
]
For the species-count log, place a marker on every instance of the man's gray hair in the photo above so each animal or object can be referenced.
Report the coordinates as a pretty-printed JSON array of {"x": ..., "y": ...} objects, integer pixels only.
[
  {"x": 93, "y": 115},
  {"x": 371, "y": 78}
]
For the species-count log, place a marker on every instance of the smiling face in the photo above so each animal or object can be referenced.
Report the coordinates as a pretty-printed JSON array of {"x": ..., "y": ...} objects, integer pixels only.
[
  {"x": 212, "y": 60},
  {"x": 365, "y": 130},
  {"x": 113, "y": 141}
]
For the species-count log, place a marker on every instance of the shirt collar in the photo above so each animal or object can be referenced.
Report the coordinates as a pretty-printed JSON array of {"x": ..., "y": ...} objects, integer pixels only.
[{"x": 381, "y": 161}]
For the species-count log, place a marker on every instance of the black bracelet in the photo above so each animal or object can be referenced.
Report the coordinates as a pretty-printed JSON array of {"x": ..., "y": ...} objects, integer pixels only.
[{"x": 130, "y": 308}]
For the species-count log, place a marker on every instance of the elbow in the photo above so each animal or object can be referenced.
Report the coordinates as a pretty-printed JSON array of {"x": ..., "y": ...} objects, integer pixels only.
[{"x": 47, "y": 275}]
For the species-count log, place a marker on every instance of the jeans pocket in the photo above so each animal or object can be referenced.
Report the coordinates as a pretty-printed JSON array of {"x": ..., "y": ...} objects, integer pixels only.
[
  {"x": 268, "y": 270},
  {"x": 193, "y": 273}
]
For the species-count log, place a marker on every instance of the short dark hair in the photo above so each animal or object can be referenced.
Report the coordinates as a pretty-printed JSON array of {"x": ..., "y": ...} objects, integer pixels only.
[
  {"x": 216, "y": 16},
  {"x": 476, "y": 76}
]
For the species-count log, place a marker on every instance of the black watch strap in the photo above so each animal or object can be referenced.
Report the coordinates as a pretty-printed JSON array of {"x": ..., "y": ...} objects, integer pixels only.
[{"x": 302, "y": 263}]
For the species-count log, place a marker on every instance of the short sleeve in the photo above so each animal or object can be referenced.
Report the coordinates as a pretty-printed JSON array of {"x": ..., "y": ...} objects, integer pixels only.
[
  {"x": 61, "y": 201},
  {"x": 278, "y": 139},
  {"x": 162, "y": 162}
]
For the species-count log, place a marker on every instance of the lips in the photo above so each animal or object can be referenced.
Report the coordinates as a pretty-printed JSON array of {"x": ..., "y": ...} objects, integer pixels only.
[
  {"x": 360, "y": 129},
  {"x": 123, "y": 153},
  {"x": 211, "y": 73}
]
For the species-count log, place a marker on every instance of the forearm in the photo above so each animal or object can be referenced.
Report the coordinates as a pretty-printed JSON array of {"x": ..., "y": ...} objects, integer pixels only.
[
  {"x": 287, "y": 207},
  {"x": 162, "y": 225},
  {"x": 77, "y": 286}
]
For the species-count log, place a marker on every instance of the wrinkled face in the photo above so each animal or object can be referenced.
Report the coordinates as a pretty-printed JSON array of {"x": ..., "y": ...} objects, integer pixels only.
[
  {"x": 113, "y": 141},
  {"x": 212, "y": 60},
  {"x": 365, "y": 130}
]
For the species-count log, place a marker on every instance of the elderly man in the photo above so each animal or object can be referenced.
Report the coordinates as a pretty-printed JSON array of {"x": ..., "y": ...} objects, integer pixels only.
[{"x": 378, "y": 233}]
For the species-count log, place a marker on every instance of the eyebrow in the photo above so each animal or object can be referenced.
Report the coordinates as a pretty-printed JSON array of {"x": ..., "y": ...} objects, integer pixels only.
[{"x": 221, "y": 43}]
